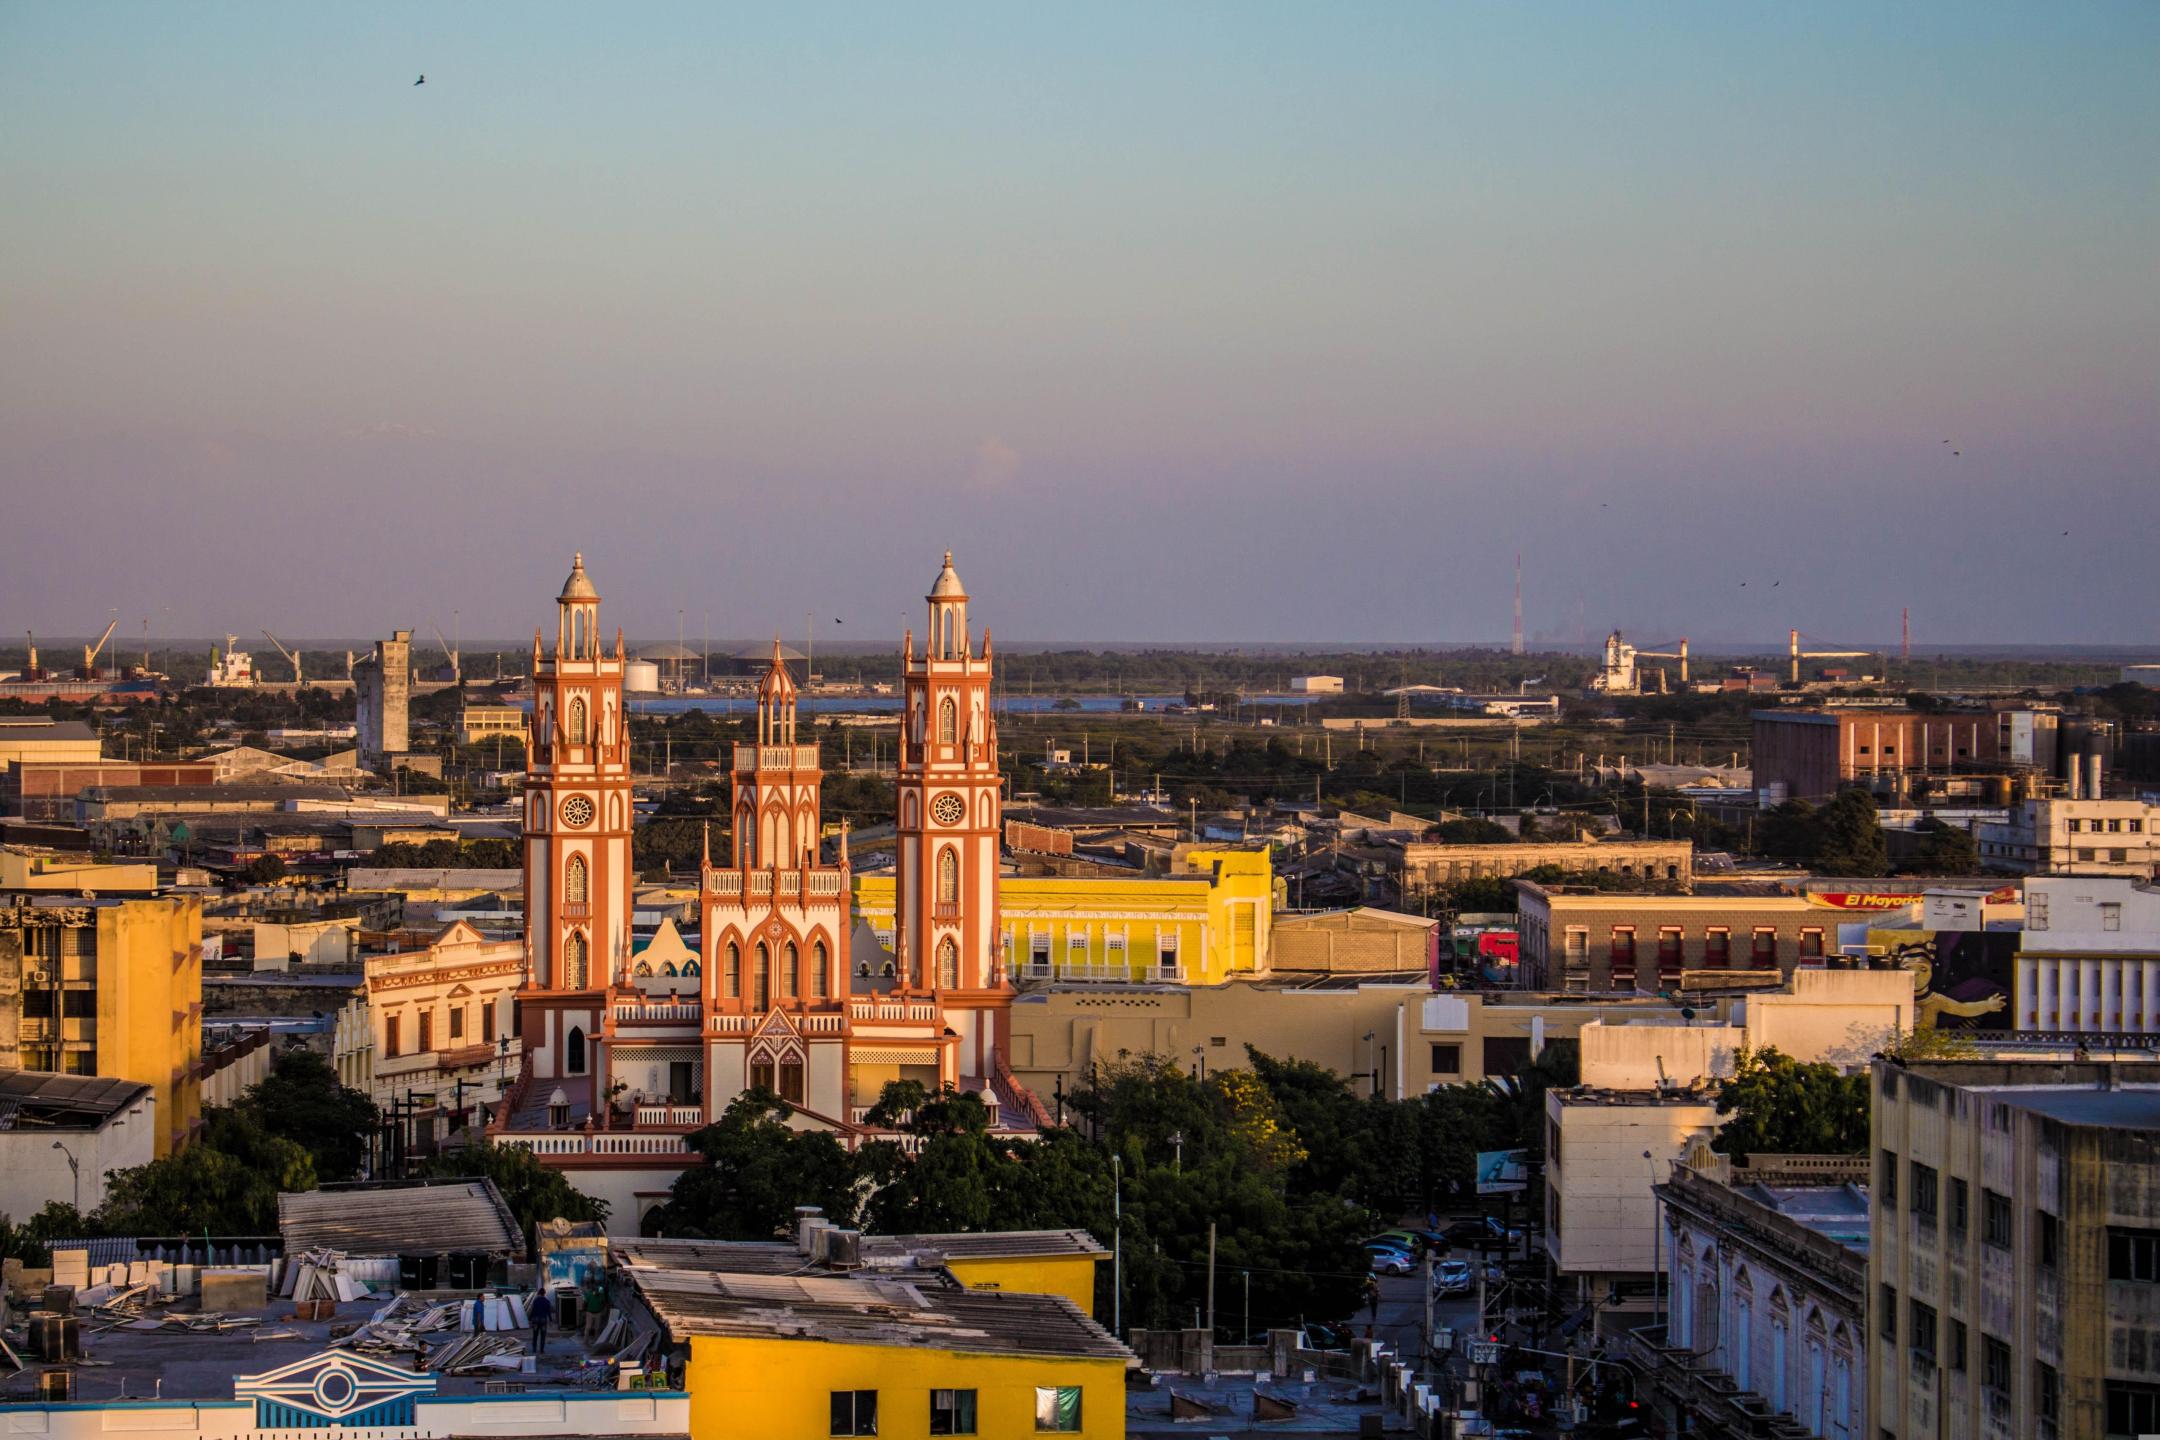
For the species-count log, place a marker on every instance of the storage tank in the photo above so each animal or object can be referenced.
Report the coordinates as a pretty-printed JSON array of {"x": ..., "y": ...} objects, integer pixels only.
[{"x": 641, "y": 677}]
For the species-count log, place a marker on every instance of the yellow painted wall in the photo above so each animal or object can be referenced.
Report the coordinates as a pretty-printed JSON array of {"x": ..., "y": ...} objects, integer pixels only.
[
  {"x": 1072, "y": 1276},
  {"x": 1221, "y": 924},
  {"x": 149, "y": 1006},
  {"x": 782, "y": 1389}
]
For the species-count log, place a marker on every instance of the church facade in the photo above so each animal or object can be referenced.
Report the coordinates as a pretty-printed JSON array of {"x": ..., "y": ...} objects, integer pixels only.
[{"x": 787, "y": 999}]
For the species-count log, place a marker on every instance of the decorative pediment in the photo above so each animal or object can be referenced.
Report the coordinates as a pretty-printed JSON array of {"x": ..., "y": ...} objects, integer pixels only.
[{"x": 334, "y": 1389}]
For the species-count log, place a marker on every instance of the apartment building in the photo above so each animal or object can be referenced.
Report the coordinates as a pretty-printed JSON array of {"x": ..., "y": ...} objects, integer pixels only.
[
  {"x": 110, "y": 988},
  {"x": 2074, "y": 837},
  {"x": 435, "y": 1021},
  {"x": 1576, "y": 938},
  {"x": 1420, "y": 868},
  {"x": 2014, "y": 1250},
  {"x": 2088, "y": 959}
]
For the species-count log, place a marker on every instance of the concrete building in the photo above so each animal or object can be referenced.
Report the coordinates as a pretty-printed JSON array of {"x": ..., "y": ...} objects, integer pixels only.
[
  {"x": 23, "y": 869},
  {"x": 435, "y": 1021},
  {"x": 48, "y": 789},
  {"x": 2014, "y": 1256},
  {"x": 484, "y": 722},
  {"x": 382, "y": 690},
  {"x": 287, "y": 941},
  {"x": 1202, "y": 926},
  {"x": 108, "y": 988},
  {"x": 1651, "y": 1087},
  {"x": 1316, "y": 684},
  {"x": 51, "y": 742},
  {"x": 1363, "y": 941},
  {"x": 1812, "y": 754},
  {"x": 1422, "y": 867},
  {"x": 2074, "y": 836},
  {"x": 1765, "y": 1298},
  {"x": 96, "y": 1125},
  {"x": 2088, "y": 958},
  {"x": 1576, "y": 938}
]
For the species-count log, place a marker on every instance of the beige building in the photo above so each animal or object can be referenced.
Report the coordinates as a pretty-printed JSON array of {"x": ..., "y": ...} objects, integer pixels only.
[
  {"x": 68, "y": 872},
  {"x": 485, "y": 722},
  {"x": 326, "y": 942},
  {"x": 1575, "y": 938},
  {"x": 35, "y": 738},
  {"x": 2014, "y": 1251},
  {"x": 1650, "y": 1086},
  {"x": 438, "y": 1021},
  {"x": 1364, "y": 941},
  {"x": 2075, "y": 837},
  {"x": 1422, "y": 867}
]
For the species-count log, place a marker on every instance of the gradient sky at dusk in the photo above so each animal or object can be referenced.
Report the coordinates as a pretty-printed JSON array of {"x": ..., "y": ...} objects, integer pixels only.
[{"x": 1200, "y": 322}]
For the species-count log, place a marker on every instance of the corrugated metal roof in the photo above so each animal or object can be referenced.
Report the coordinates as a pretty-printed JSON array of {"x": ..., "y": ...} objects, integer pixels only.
[{"x": 373, "y": 1220}]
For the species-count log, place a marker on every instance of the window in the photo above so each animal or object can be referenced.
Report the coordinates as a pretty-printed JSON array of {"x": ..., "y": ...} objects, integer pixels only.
[
  {"x": 1811, "y": 944},
  {"x": 1447, "y": 1059},
  {"x": 1057, "y": 1407},
  {"x": 1576, "y": 942},
  {"x": 2114, "y": 827},
  {"x": 820, "y": 982},
  {"x": 761, "y": 979},
  {"x": 1717, "y": 947},
  {"x": 1552, "y": 1143},
  {"x": 1889, "y": 1177},
  {"x": 487, "y": 1022},
  {"x": 2084, "y": 852},
  {"x": 948, "y": 876},
  {"x": 1959, "y": 1206},
  {"x": 457, "y": 1022},
  {"x": 577, "y": 722},
  {"x": 952, "y": 1412},
  {"x": 78, "y": 1004},
  {"x": 2132, "y": 1409},
  {"x": 1669, "y": 949},
  {"x": 573, "y": 961},
  {"x": 1957, "y": 1345},
  {"x": 1762, "y": 947},
  {"x": 390, "y": 1037},
  {"x": 948, "y": 964},
  {"x": 2047, "y": 1398},
  {"x": 575, "y": 886},
  {"x": 427, "y": 1031},
  {"x": 2133, "y": 1255},
  {"x": 1889, "y": 1314},
  {"x": 1923, "y": 1329},
  {"x": 948, "y": 722},
  {"x": 1923, "y": 1191},
  {"x": 790, "y": 971},
  {"x": 854, "y": 1412},
  {"x": 1995, "y": 1218},
  {"x": 2136, "y": 827},
  {"x": 791, "y": 1080},
  {"x": 2110, "y": 912},
  {"x": 1623, "y": 949},
  {"x": 2036, "y": 906},
  {"x": 2050, "y": 1234},
  {"x": 2071, "y": 827},
  {"x": 574, "y": 1051},
  {"x": 1994, "y": 1364}
]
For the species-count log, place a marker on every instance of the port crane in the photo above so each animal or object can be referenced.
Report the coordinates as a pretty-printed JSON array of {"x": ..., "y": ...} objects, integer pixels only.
[
  {"x": 1678, "y": 652},
  {"x": 291, "y": 655},
  {"x": 89, "y": 670},
  {"x": 1798, "y": 655},
  {"x": 450, "y": 653}
]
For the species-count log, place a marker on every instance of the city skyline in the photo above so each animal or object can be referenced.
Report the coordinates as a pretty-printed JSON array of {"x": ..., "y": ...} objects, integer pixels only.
[{"x": 1207, "y": 326}]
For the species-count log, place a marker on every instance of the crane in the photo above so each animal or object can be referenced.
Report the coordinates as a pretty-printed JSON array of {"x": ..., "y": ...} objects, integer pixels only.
[
  {"x": 1798, "y": 655},
  {"x": 30, "y": 667},
  {"x": 292, "y": 655},
  {"x": 91, "y": 652},
  {"x": 450, "y": 652},
  {"x": 1678, "y": 652}
]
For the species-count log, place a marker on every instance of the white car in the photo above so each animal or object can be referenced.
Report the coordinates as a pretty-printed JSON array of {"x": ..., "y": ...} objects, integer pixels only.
[{"x": 1452, "y": 1277}]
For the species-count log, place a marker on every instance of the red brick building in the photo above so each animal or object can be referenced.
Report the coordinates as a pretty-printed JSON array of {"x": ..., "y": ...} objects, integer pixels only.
[{"x": 1812, "y": 753}]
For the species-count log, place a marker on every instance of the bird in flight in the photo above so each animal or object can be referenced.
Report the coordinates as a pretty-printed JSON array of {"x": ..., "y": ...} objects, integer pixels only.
[{"x": 421, "y": 81}]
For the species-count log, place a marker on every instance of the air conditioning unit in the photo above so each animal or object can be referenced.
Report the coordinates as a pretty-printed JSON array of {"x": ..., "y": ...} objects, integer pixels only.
[{"x": 39, "y": 977}]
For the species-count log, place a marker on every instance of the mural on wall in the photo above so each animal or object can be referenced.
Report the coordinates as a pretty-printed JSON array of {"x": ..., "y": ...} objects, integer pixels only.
[
  {"x": 334, "y": 1390},
  {"x": 1960, "y": 977}
]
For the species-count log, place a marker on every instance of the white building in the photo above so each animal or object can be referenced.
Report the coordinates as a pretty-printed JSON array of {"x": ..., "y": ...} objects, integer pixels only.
[
  {"x": 2075, "y": 836},
  {"x": 2089, "y": 959},
  {"x": 1316, "y": 685},
  {"x": 97, "y": 1125}
]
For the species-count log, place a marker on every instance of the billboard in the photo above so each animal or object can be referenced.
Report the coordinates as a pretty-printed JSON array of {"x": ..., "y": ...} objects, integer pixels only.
[
  {"x": 1502, "y": 1172},
  {"x": 1892, "y": 899}
]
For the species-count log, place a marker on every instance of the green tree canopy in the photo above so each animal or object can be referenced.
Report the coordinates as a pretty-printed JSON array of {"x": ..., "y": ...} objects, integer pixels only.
[
  {"x": 302, "y": 1100},
  {"x": 1780, "y": 1106}
]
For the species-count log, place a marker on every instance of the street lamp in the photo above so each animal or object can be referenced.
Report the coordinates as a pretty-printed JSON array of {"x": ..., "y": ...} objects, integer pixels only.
[
  {"x": 1657, "y": 1267},
  {"x": 74, "y": 1171}
]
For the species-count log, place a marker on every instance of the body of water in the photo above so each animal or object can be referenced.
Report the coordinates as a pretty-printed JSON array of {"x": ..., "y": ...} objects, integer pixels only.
[{"x": 890, "y": 704}]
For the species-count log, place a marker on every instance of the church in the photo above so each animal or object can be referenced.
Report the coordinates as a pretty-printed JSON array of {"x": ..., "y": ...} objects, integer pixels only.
[{"x": 794, "y": 994}]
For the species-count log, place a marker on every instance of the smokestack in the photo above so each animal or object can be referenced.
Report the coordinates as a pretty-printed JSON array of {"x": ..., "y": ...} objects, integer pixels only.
[
  {"x": 2077, "y": 777},
  {"x": 1518, "y": 603},
  {"x": 2094, "y": 778}
]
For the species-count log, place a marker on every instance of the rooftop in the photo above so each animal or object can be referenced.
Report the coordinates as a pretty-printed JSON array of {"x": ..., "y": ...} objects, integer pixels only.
[
  {"x": 2120, "y": 1109},
  {"x": 782, "y": 1257},
  {"x": 42, "y": 1100},
  {"x": 400, "y": 1219},
  {"x": 892, "y": 1313}
]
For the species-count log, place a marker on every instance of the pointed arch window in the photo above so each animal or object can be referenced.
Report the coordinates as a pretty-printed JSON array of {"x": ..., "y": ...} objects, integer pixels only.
[
  {"x": 574, "y": 960},
  {"x": 577, "y": 720},
  {"x": 692, "y": 967},
  {"x": 948, "y": 876},
  {"x": 790, "y": 972},
  {"x": 576, "y": 886},
  {"x": 820, "y": 981},
  {"x": 948, "y": 964},
  {"x": 574, "y": 1051},
  {"x": 948, "y": 722},
  {"x": 731, "y": 972},
  {"x": 761, "y": 979}
]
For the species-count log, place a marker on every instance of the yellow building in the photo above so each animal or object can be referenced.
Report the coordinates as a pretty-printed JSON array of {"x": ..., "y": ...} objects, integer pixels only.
[
  {"x": 479, "y": 722},
  {"x": 1199, "y": 928},
  {"x": 22, "y": 868},
  {"x": 110, "y": 988},
  {"x": 890, "y": 1344}
]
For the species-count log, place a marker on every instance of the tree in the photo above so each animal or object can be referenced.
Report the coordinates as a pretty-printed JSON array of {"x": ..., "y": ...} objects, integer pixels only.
[
  {"x": 1930, "y": 1042},
  {"x": 530, "y": 1189},
  {"x": 753, "y": 1170},
  {"x": 1943, "y": 850},
  {"x": 1470, "y": 831},
  {"x": 227, "y": 1184},
  {"x": 266, "y": 869},
  {"x": 302, "y": 1100},
  {"x": 1780, "y": 1106},
  {"x": 1849, "y": 840}
]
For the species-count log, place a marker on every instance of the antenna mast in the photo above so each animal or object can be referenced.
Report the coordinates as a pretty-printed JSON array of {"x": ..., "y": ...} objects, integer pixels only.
[{"x": 1518, "y": 648}]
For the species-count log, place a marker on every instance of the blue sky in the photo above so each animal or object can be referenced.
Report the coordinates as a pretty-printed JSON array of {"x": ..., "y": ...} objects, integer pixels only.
[{"x": 1197, "y": 322}]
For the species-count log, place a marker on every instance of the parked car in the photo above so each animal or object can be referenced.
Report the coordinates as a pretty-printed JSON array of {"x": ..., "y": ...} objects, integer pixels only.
[
  {"x": 1480, "y": 1232},
  {"x": 1451, "y": 1277},
  {"x": 1410, "y": 1241},
  {"x": 1388, "y": 1261}
]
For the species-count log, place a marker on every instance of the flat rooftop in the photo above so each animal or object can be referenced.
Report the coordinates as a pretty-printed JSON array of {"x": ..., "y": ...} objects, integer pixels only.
[
  {"x": 1836, "y": 1212},
  {"x": 2122, "y": 1108}
]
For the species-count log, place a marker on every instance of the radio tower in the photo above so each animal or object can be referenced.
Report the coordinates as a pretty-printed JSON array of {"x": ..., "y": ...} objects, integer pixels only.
[
  {"x": 1518, "y": 603},
  {"x": 1905, "y": 637}
]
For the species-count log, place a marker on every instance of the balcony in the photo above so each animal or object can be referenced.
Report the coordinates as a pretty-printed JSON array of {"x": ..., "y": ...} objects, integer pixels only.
[
  {"x": 607, "y": 1142},
  {"x": 875, "y": 1010},
  {"x": 655, "y": 1013},
  {"x": 724, "y": 882},
  {"x": 691, "y": 1116},
  {"x": 776, "y": 757}
]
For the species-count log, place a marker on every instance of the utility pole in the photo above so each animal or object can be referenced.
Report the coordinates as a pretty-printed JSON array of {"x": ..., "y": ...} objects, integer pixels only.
[
  {"x": 1425, "y": 1341},
  {"x": 1211, "y": 1282},
  {"x": 1117, "y": 1245}
]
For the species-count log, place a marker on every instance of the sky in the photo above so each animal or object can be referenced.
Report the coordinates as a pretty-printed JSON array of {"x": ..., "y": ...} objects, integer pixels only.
[{"x": 1205, "y": 322}]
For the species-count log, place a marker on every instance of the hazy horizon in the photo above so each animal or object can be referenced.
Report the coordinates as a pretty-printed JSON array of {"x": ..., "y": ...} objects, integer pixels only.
[{"x": 1286, "y": 323}]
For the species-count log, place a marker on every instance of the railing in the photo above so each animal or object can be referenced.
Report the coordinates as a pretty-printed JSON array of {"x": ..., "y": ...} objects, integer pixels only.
[
  {"x": 649, "y": 1012},
  {"x": 776, "y": 757},
  {"x": 670, "y": 1115},
  {"x": 891, "y": 1010},
  {"x": 607, "y": 1143},
  {"x": 1037, "y": 970},
  {"x": 729, "y": 1024},
  {"x": 825, "y": 882},
  {"x": 1167, "y": 975},
  {"x": 723, "y": 882},
  {"x": 820, "y": 1024},
  {"x": 944, "y": 910},
  {"x": 761, "y": 882}
]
